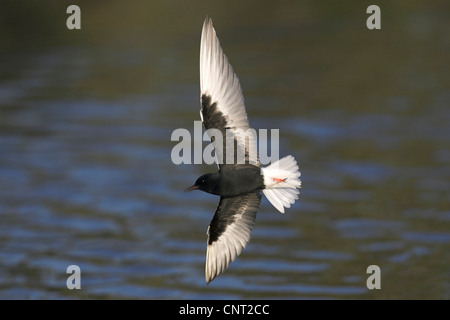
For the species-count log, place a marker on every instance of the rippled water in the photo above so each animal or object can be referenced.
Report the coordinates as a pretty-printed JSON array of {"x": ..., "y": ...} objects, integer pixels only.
[{"x": 86, "y": 176}]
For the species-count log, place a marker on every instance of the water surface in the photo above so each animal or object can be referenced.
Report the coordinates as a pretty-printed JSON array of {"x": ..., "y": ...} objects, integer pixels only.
[{"x": 86, "y": 177}]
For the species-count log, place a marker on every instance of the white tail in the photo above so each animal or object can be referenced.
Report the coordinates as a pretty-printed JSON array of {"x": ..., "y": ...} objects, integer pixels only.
[{"x": 281, "y": 180}]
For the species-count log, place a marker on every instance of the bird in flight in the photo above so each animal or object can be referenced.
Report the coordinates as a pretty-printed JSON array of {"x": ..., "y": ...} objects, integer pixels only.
[{"x": 238, "y": 183}]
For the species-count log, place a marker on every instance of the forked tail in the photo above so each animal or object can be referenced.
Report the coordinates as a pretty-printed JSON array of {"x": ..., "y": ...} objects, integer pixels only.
[{"x": 282, "y": 181}]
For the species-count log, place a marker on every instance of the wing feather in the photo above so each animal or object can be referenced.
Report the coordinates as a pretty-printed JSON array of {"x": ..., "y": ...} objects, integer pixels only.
[
  {"x": 229, "y": 231},
  {"x": 223, "y": 103}
]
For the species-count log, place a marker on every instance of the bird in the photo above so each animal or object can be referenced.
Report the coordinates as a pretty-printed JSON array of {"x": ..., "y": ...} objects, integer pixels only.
[{"x": 238, "y": 183}]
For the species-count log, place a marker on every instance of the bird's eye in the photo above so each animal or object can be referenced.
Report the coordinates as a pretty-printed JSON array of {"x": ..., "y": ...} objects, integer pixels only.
[{"x": 203, "y": 181}]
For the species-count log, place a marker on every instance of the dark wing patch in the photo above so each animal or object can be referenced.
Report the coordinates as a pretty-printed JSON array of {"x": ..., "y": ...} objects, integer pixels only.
[
  {"x": 229, "y": 231},
  {"x": 212, "y": 116},
  {"x": 230, "y": 150},
  {"x": 223, "y": 103}
]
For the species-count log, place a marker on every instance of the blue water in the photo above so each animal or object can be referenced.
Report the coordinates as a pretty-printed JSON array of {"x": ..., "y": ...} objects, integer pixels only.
[{"x": 86, "y": 176}]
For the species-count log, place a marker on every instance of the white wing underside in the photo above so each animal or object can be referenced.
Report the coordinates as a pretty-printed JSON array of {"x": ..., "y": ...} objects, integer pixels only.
[
  {"x": 230, "y": 243},
  {"x": 218, "y": 81},
  {"x": 225, "y": 250}
]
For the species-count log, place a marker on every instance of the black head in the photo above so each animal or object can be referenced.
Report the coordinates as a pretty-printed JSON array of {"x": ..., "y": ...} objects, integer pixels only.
[{"x": 208, "y": 182}]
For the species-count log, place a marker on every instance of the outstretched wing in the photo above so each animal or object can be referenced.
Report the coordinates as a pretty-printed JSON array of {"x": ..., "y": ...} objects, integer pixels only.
[
  {"x": 229, "y": 231},
  {"x": 222, "y": 104}
]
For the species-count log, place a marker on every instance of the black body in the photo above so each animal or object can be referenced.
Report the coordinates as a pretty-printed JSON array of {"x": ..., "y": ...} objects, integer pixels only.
[{"x": 231, "y": 181}]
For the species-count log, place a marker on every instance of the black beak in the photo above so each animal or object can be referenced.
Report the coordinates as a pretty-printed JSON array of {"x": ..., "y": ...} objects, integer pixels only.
[{"x": 194, "y": 187}]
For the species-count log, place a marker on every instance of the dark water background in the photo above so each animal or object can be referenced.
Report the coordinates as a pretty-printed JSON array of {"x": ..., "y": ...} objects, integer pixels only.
[{"x": 86, "y": 177}]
